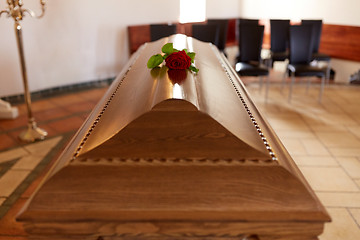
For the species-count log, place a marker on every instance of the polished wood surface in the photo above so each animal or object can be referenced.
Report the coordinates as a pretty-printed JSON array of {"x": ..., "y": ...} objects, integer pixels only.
[
  {"x": 138, "y": 35},
  {"x": 166, "y": 159},
  {"x": 341, "y": 41}
]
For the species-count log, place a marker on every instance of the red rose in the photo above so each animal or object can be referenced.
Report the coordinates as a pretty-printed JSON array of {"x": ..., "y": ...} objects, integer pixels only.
[
  {"x": 178, "y": 60},
  {"x": 177, "y": 75}
]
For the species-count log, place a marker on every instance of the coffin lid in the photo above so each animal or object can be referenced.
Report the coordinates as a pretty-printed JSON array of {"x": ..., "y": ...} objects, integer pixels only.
[
  {"x": 204, "y": 126},
  {"x": 137, "y": 90}
]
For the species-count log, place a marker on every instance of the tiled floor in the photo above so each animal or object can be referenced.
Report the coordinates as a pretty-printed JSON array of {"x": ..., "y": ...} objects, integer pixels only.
[{"x": 323, "y": 139}]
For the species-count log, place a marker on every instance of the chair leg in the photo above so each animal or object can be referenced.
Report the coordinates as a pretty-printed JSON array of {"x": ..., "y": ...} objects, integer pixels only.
[
  {"x": 328, "y": 69},
  {"x": 261, "y": 83},
  {"x": 308, "y": 85},
  {"x": 291, "y": 86},
  {"x": 267, "y": 87},
  {"x": 284, "y": 80},
  {"x": 321, "y": 88}
]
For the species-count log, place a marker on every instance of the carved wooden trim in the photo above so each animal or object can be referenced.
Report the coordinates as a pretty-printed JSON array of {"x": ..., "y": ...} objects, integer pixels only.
[
  {"x": 181, "y": 230},
  {"x": 101, "y": 113},
  {"x": 227, "y": 71},
  {"x": 170, "y": 161}
]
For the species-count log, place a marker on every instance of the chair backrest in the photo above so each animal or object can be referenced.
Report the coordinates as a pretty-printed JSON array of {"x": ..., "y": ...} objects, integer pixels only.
[
  {"x": 279, "y": 35},
  {"x": 248, "y": 21},
  {"x": 242, "y": 22},
  {"x": 317, "y": 29},
  {"x": 223, "y": 29},
  {"x": 300, "y": 44},
  {"x": 158, "y": 31},
  {"x": 206, "y": 33},
  {"x": 250, "y": 42}
]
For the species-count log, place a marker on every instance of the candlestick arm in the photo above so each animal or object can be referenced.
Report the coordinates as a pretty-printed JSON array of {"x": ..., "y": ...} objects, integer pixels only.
[
  {"x": 33, "y": 14},
  {"x": 6, "y": 12},
  {"x": 16, "y": 11}
]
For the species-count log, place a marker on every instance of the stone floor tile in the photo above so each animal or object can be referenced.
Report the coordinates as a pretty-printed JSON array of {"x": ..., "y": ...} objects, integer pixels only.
[
  {"x": 355, "y": 213},
  {"x": 340, "y": 199},
  {"x": 288, "y": 123},
  {"x": 294, "y": 146},
  {"x": 6, "y": 141},
  {"x": 336, "y": 140},
  {"x": 357, "y": 181},
  {"x": 42, "y": 105},
  {"x": 66, "y": 100},
  {"x": 12, "y": 154},
  {"x": 351, "y": 165},
  {"x": 342, "y": 227},
  {"x": 80, "y": 107},
  {"x": 27, "y": 162},
  {"x": 355, "y": 130},
  {"x": 315, "y": 161},
  {"x": 43, "y": 147},
  {"x": 344, "y": 152},
  {"x": 67, "y": 124},
  {"x": 314, "y": 147},
  {"x": 329, "y": 179},
  {"x": 308, "y": 134},
  {"x": 11, "y": 180},
  {"x": 50, "y": 114}
]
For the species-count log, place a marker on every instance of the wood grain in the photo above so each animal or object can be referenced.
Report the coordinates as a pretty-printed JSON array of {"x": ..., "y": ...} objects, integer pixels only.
[
  {"x": 175, "y": 134},
  {"x": 341, "y": 41},
  {"x": 179, "y": 230},
  {"x": 151, "y": 164},
  {"x": 138, "y": 35}
]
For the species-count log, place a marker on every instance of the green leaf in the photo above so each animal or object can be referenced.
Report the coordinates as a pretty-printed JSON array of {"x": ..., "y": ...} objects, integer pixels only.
[
  {"x": 155, "y": 61},
  {"x": 193, "y": 68},
  {"x": 191, "y": 55},
  {"x": 168, "y": 48}
]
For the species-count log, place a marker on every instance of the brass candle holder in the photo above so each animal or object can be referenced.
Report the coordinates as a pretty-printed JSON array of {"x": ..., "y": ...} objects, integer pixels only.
[{"x": 17, "y": 12}]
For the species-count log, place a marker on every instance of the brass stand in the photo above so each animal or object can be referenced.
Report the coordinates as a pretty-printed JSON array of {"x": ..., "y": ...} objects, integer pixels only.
[{"x": 32, "y": 133}]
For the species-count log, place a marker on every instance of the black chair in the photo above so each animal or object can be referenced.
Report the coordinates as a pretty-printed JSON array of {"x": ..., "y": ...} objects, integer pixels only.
[
  {"x": 250, "y": 45},
  {"x": 243, "y": 22},
  {"x": 206, "y": 33},
  {"x": 301, "y": 46},
  {"x": 158, "y": 31},
  {"x": 279, "y": 29},
  {"x": 248, "y": 21},
  {"x": 316, "y": 55},
  {"x": 223, "y": 28}
]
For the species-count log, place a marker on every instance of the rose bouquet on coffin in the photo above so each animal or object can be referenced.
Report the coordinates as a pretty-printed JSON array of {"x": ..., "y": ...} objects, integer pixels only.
[{"x": 174, "y": 59}]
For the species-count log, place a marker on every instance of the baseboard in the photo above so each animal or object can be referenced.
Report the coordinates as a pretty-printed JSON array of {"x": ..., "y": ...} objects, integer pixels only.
[{"x": 50, "y": 92}]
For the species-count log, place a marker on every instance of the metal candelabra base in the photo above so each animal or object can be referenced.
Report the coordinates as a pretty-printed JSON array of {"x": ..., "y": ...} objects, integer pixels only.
[
  {"x": 16, "y": 11},
  {"x": 33, "y": 133}
]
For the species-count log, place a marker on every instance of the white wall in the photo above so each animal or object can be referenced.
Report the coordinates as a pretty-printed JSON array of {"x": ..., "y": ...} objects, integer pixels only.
[
  {"x": 222, "y": 8},
  {"x": 344, "y": 12},
  {"x": 76, "y": 41}
]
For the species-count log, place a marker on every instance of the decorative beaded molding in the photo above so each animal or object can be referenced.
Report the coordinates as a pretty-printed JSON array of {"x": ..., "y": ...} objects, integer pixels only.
[
  {"x": 247, "y": 109},
  {"x": 171, "y": 161},
  {"x": 83, "y": 141}
]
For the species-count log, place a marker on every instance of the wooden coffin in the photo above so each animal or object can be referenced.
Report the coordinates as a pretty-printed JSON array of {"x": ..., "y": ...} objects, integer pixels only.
[{"x": 175, "y": 157}]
